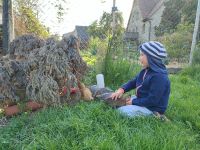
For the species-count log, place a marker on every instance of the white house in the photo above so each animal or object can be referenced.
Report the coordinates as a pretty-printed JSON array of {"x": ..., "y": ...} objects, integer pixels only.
[
  {"x": 145, "y": 15},
  {"x": 1, "y": 11}
]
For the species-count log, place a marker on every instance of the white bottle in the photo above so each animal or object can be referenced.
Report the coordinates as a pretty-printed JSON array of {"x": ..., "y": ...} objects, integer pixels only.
[{"x": 100, "y": 81}]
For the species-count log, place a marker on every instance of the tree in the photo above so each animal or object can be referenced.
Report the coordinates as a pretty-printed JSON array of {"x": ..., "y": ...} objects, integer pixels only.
[
  {"x": 103, "y": 28},
  {"x": 27, "y": 15},
  {"x": 26, "y": 20},
  {"x": 176, "y": 12},
  {"x": 189, "y": 11},
  {"x": 171, "y": 17},
  {"x": 178, "y": 43},
  {"x": 7, "y": 29},
  {"x": 31, "y": 23},
  {"x": 60, "y": 10}
]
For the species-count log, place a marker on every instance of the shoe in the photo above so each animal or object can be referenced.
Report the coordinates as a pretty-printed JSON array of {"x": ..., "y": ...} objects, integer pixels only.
[{"x": 162, "y": 117}]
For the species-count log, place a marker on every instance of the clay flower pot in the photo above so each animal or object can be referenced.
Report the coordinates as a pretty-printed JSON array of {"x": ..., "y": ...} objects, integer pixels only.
[
  {"x": 15, "y": 109},
  {"x": 11, "y": 110},
  {"x": 31, "y": 105}
]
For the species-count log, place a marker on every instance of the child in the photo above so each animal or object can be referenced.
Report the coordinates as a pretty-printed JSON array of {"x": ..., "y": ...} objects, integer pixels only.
[{"x": 152, "y": 84}]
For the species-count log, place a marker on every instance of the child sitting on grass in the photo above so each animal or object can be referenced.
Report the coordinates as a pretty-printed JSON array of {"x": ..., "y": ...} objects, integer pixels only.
[{"x": 152, "y": 83}]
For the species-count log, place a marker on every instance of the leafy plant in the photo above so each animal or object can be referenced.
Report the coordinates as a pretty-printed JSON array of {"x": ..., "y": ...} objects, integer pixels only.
[
  {"x": 176, "y": 12},
  {"x": 118, "y": 70},
  {"x": 178, "y": 43},
  {"x": 196, "y": 56},
  {"x": 103, "y": 29},
  {"x": 32, "y": 24},
  {"x": 192, "y": 72},
  {"x": 97, "y": 46}
]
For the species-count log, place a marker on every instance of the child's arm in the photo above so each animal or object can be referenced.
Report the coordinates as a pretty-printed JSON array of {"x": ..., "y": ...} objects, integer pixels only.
[{"x": 131, "y": 84}]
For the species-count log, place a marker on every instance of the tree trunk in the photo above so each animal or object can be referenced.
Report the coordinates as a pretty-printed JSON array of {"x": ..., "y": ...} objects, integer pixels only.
[{"x": 8, "y": 32}]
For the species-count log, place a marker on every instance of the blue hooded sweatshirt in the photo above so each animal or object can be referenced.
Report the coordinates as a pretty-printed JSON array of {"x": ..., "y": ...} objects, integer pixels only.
[{"x": 152, "y": 86}]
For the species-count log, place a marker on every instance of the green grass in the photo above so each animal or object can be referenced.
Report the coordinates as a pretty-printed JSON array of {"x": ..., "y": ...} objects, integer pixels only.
[
  {"x": 185, "y": 101},
  {"x": 94, "y": 125},
  {"x": 192, "y": 72},
  {"x": 97, "y": 126}
]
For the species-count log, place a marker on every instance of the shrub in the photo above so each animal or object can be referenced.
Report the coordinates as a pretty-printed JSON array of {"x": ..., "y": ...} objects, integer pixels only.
[
  {"x": 118, "y": 70},
  {"x": 178, "y": 44},
  {"x": 97, "y": 45},
  {"x": 196, "y": 56},
  {"x": 89, "y": 58},
  {"x": 193, "y": 72}
]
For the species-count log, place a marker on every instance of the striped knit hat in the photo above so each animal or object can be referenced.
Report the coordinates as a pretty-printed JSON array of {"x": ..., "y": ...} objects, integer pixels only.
[{"x": 154, "y": 49}]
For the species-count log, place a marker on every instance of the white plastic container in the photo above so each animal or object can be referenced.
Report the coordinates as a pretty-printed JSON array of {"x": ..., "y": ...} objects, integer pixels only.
[{"x": 100, "y": 81}]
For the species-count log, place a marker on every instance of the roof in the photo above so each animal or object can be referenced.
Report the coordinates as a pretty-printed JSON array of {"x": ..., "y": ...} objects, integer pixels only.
[
  {"x": 147, "y": 6},
  {"x": 82, "y": 32}
]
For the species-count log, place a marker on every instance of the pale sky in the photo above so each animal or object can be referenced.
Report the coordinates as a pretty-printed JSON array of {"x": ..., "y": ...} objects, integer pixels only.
[{"x": 82, "y": 12}]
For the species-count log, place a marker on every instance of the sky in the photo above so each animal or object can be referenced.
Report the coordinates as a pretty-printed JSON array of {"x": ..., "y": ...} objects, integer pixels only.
[{"x": 81, "y": 12}]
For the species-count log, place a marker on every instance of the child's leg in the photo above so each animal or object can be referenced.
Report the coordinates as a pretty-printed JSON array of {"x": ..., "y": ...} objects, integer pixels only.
[{"x": 133, "y": 110}]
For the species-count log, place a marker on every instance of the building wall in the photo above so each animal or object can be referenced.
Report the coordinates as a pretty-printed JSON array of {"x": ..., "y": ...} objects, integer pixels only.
[
  {"x": 135, "y": 18},
  {"x": 136, "y": 23},
  {"x": 156, "y": 19},
  {"x": 1, "y": 14},
  {"x": 1, "y": 22}
]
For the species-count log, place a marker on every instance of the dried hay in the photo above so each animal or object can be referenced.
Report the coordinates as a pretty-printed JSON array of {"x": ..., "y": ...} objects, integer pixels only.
[
  {"x": 24, "y": 44},
  {"x": 47, "y": 69},
  {"x": 7, "y": 90}
]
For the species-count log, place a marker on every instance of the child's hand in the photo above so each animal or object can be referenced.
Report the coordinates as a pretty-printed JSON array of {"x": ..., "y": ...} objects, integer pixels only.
[
  {"x": 117, "y": 94},
  {"x": 128, "y": 101}
]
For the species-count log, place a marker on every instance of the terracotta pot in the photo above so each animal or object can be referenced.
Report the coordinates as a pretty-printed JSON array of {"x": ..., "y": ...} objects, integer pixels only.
[
  {"x": 15, "y": 109},
  {"x": 11, "y": 110},
  {"x": 31, "y": 105}
]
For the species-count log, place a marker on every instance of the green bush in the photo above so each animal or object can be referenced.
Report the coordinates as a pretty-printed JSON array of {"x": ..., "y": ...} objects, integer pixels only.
[
  {"x": 94, "y": 56},
  {"x": 192, "y": 72},
  {"x": 33, "y": 25},
  {"x": 178, "y": 44},
  {"x": 89, "y": 58},
  {"x": 196, "y": 56},
  {"x": 97, "y": 45},
  {"x": 109, "y": 61},
  {"x": 118, "y": 71}
]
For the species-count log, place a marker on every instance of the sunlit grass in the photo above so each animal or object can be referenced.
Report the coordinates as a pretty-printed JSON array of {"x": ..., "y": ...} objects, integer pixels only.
[{"x": 94, "y": 125}]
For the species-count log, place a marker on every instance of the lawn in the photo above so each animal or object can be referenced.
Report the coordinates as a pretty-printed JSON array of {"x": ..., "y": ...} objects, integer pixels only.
[{"x": 94, "y": 125}]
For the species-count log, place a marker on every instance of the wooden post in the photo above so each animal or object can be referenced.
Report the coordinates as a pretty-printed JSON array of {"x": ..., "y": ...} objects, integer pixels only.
[
  {"x": 195, "y": 33},
  {"x": 8, "y": 30},
  {"x": 113, "y": 14}
]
